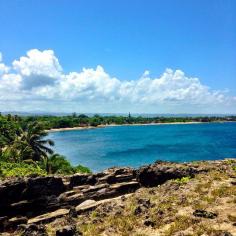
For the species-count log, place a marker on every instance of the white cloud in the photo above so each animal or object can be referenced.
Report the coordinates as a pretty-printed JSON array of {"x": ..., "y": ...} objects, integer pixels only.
[
  {"x": 38, "y": 68},
  {"x": 38, "y": 78},
  {"x": 3, "y": 68}
]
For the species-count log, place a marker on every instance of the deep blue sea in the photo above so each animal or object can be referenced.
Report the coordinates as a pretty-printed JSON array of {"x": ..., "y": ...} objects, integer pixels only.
[{"x": 134, "y": 146}]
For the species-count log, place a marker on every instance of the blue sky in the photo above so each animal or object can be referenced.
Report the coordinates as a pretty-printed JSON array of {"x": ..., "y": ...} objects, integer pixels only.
[{"x": 125, "y": 38}]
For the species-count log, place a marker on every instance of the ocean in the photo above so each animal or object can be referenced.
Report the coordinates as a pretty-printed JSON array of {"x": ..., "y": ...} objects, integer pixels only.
[{"x": 134, "y": 146}]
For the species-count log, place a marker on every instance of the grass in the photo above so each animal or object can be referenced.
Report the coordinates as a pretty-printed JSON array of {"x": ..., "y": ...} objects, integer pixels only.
[
  {"x": 181, "y": 223},
  {"x": 171, "y": 208}
]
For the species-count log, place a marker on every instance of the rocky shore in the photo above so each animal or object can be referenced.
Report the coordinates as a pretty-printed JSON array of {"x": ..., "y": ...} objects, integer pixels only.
[{"x": 157, "y": 199}]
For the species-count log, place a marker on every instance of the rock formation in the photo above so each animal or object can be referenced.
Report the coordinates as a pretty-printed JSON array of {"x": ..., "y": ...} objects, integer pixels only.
[{"x": 36, "y": 200}]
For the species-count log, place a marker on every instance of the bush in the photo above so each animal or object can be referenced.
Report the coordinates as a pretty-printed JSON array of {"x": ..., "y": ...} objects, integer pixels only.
[
  {"x": 183, "y": 180},
  {"x": 19, "y": 169},
  {"x": 58, "y": 164},
  {"x": 81, "y": 169}
]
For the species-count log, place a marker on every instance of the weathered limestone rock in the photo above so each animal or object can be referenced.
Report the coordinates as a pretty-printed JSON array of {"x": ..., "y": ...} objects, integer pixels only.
[
  {"x": 122, "y": 188},
  {"x": 114, "y": 190},
  {"x": 42, "y": 199},
  {"x": 94, "y": 188},
  {"x": 89, "y": 205},
  {"x": 21, "y": 196},
  {"x": 11, "y": 192},
  {"x": 49, "y": 216},
  {"x": 160, "y": 172},
  {"x": 116, "y": 175},
  {"x": 82, "y": 179},
  {"x": 86, "y": 205},
  {"x": 43, "y": 186},
  {"x": 72, "y": 200}
]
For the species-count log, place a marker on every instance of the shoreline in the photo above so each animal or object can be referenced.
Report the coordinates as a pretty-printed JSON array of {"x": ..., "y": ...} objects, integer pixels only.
[{"x": 138, "y": 124}]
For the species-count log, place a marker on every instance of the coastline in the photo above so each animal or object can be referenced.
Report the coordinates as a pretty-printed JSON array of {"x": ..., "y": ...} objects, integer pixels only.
[{"x": 138, "y": 124}]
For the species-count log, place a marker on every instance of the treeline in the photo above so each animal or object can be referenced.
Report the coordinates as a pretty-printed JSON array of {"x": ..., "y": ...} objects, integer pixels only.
[
  {"x": 82, "y": 120},
  {"x": 25, "y": 149}
]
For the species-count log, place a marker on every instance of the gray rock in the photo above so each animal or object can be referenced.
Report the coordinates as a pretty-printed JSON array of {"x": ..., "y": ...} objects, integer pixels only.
[
  {"x": 66, "y": 231},
  {"x": 205, "y": 214},
  {"x": 160, "y": 172}
]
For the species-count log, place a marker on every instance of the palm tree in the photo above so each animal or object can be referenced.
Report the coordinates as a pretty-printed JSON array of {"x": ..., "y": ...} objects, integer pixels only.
[{"x": 34, "y": 137}]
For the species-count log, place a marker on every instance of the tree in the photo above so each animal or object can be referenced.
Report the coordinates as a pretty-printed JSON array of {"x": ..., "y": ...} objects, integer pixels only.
[
  {"x": 56, "y": 163},
  {"x": 34, "y": 137}
]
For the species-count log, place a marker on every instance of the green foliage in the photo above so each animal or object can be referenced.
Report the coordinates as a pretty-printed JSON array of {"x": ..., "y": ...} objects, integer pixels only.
[
  {"x": 34, "y": 138},
  {"x": 81, "y": 169},
  {"x": 57, "y": 164},
  {"x": 19, "y": 169},
  {"x": 23, "y": 140},
  {"x": 182, "y": 180},
  {"x": 75, "y": 120}
]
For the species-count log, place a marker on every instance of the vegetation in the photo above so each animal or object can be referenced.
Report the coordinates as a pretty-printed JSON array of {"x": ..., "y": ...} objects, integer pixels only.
[
  {"x": 82, "y": 120},
  {"x": 25, "y": 150},
  {"x": 23, "y": 139},
  {"x": 182, "y": 180},
  {"x": 57, "y": 164},
  {"x": 19, "y": 169},
  {"x": 171, "y": 207}
]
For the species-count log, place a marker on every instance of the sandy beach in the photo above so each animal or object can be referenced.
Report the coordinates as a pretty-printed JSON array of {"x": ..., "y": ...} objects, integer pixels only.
[{"x": 112, "y": 125}]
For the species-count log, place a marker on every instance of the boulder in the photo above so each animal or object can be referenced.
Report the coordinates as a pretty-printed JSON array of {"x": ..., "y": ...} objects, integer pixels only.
[
  {"x": 30, "y": 196},
  {"x": 82, "y": 179},
  {"x": 205, "y": 214},
  {"x": 69, "y": 230},
  {"x": 160, "y": 172},
  {"x": 43, "y": 186},
  {"x": 149, "y": 223},
  {"x": 10, "y": 192}
]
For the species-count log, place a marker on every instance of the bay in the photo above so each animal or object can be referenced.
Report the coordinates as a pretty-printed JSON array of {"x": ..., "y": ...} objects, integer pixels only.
[{"x": 133, "y": 146}]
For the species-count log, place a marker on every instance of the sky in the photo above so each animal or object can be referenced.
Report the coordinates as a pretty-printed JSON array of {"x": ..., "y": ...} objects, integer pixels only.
[{"x": 101, "y": 56}]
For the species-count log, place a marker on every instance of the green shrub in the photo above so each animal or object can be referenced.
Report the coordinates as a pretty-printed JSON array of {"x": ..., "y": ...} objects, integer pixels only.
[
  {"x": 57, "y": 164},
  {"x": 182, "y": 180},
  {"x": 81, "y": 169},
  {"x": 19, "y": 169}
]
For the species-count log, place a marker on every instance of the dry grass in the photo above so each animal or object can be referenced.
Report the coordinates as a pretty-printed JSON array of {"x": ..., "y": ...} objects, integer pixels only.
[{"x": 171, "y": 208}]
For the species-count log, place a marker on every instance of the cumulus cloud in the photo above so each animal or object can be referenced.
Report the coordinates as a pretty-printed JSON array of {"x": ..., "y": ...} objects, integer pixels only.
[
  {"x": 38, "y": 78},
  {"x": 38, "y": 68},
  {"x": 3, "y": 67}
]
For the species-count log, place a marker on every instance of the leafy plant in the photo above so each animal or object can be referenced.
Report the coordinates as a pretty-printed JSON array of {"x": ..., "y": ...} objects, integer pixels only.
[
  {"x": 182, "y": 180},
  {"x": 57, "y": 164},
  {"x": 19, "y": 169}
]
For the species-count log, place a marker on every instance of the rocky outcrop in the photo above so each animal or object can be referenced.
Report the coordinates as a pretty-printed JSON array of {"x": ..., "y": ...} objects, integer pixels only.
[
  {"x": 30, "y": 196},
  {"x": 42, "y": 199},
  {"x": 160, "y": 172}
]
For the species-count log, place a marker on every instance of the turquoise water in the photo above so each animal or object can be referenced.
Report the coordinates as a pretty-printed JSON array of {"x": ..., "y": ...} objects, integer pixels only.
[{"x": 137, "y": 145}]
